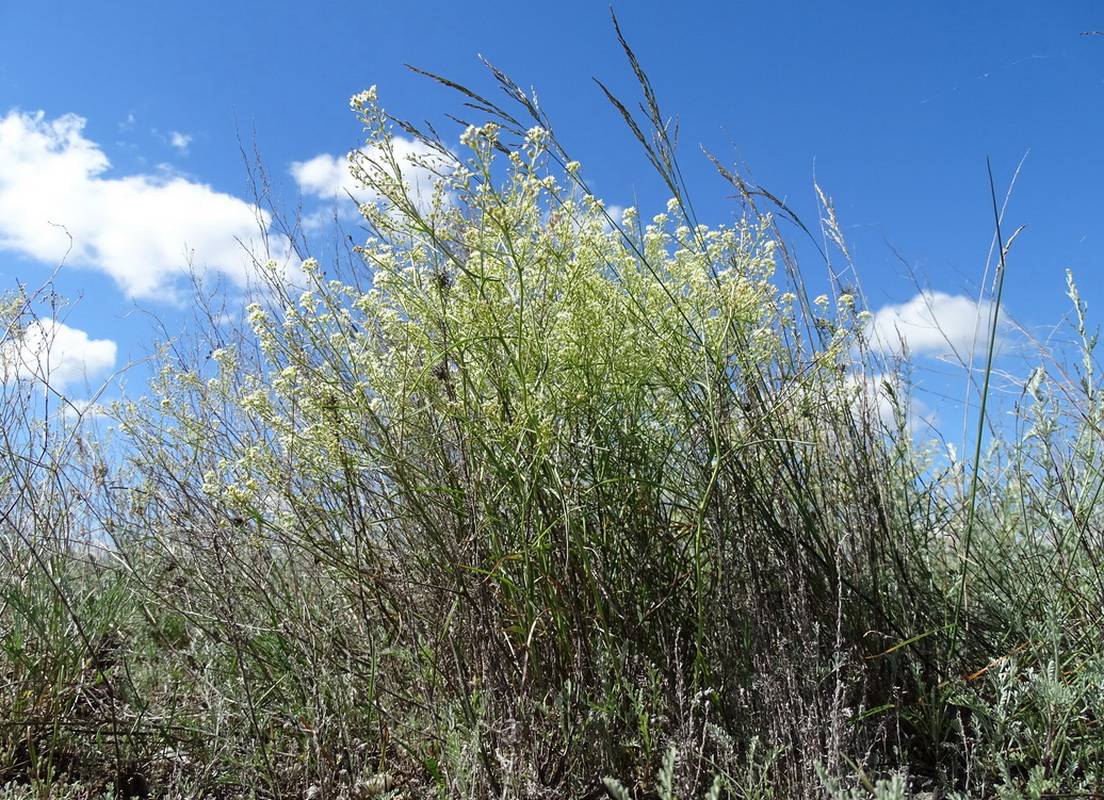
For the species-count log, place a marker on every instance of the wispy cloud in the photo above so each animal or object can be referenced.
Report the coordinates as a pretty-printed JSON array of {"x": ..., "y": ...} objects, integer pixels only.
[
  {"x": 145, "y": 231},
  {"x": 180, "y": 141},
  {"x": 935, "y": 324},
  {"x": 53, "y": 353}
]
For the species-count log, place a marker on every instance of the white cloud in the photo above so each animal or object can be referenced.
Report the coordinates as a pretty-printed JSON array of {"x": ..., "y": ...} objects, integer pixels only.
[
  {"x": 328, "y": 177},
  {"x": 56, "y": 354},
  {"x": 144, "y": 231},
  {"x": 324, "y": 176},
  {"x": 884, "y": 398},
  {"x": 934, "y": 324},
  {"x": 180, "y": 141},
  {"x": 615, "y": 213}
]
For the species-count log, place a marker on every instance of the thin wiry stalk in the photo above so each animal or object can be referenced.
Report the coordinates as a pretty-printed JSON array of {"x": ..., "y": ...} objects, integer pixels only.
[{"x": 987, "y": 373}]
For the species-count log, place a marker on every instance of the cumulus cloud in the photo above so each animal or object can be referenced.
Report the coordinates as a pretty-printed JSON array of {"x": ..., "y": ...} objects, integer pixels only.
[
  {"x": 144, "y": 231},
  {"x": 56, "y": 354},
  {"x": 329, "y": 177},
  {"x": 934, "y": 324},
  {"x": 324, "y": 176}
]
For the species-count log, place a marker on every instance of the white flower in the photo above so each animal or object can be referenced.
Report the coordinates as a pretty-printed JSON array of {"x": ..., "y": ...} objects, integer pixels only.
[
  {"x": 468, "y": 137},
  {"x": 255, "y": 314},
  {"x": 364, "y": 98}
]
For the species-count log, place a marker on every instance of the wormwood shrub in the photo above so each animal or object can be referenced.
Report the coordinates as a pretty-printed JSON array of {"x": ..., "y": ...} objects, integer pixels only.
[
  {"x": 64, "y": 702},
  {"x": 532, "y": 496}
]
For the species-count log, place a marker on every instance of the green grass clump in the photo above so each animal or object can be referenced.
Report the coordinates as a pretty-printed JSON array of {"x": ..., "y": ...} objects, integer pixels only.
[{"x": 535, "y": 501}]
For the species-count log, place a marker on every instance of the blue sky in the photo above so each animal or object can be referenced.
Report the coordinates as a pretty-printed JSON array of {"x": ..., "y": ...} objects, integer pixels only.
[{"x": 121, "y": 124}]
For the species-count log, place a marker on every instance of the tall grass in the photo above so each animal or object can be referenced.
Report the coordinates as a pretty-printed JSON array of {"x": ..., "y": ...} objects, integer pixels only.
[{"x": 532, "y": 501}]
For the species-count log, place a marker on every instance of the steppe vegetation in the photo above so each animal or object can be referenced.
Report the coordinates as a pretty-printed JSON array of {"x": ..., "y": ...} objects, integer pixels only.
[{"x": 534, "y": 501}]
